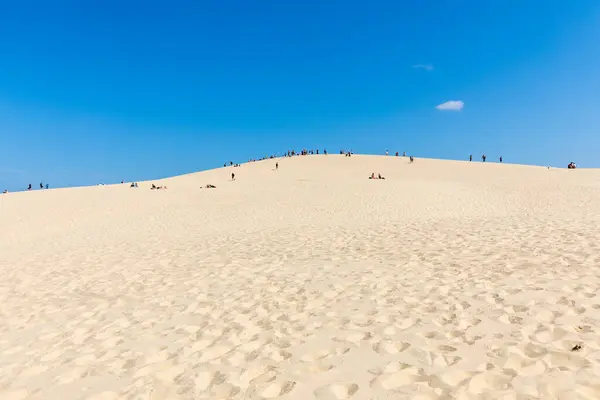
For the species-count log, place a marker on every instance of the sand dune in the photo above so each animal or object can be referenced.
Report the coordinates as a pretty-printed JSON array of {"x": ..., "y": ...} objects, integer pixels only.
[{"x": 446, "y": 280}]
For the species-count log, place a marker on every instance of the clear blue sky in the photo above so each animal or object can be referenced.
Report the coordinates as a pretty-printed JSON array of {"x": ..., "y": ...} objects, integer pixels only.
[{"x": 108, "y": 90}]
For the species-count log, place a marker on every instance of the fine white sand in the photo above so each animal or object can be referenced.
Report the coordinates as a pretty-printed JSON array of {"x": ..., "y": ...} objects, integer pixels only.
[{"x": 446, "y": 280}]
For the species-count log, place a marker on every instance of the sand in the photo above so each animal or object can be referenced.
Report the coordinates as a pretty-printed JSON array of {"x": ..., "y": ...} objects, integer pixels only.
[{"x": 446, "y": 280}]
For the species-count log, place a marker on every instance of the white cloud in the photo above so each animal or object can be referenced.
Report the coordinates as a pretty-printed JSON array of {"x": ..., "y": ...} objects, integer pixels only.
[
  {"x": 426, "y": 67},
  {"x": 452, "y": 105},
  {"x": 11, "y": 171}
]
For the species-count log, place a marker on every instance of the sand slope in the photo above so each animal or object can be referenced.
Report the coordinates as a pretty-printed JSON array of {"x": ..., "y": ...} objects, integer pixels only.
[{"x": 446, "y": 280}]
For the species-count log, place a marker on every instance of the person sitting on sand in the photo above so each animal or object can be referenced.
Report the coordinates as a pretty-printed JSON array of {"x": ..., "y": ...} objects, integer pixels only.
[
  {"x": 157, "y": 187},
  {"x": 209, "y": 186},
  {"x": 372, "y": 176},
  {"x": 412, "y": 159},
  {"x": 380, "y": 177}
]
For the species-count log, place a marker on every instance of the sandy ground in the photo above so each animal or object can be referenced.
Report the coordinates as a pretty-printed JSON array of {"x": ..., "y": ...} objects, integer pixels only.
[{"x": 446, "y": 280}]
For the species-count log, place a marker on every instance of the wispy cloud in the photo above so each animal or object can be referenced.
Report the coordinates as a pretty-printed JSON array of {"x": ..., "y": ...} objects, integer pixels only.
[
  {"x": 452, "y": 105},
  {"x": 426, "y": 67},
  {"x": 11, "y": 171}
]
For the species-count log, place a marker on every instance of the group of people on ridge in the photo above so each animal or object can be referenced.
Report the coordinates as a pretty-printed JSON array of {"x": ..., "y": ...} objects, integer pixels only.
[{"x": 483, "y": 158}]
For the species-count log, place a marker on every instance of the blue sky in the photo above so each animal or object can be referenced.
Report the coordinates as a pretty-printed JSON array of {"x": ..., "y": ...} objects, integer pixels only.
[{"x": 100, "y": 91}]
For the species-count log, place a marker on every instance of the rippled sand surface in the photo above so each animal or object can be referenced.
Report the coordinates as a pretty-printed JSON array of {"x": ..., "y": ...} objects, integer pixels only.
[{"x": 445, "y": 280}]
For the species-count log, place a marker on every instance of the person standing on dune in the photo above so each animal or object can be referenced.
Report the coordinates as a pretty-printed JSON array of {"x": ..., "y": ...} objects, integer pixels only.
[
  {"x": 232, "y": 176},
  {"x": 277, "y": 166}
]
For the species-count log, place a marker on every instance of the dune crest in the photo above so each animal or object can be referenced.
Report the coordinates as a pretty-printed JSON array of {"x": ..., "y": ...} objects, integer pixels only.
[{"x": 446, "y": 279}]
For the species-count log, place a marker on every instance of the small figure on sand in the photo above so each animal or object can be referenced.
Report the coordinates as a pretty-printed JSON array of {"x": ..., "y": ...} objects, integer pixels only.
[
  {"x": 572, "y": 165},
  {"x": 376, "y": 177},
  {"x": 232, "y": 176},
  {"x": 404, "y": 154},
  {"x": 29, "y": 187},
  {"x": 470, "y": 157},
  {"x": 396, "y": 154},
  {"x": 386, "y": 152},
  {"x": 277, "y": 166},
  {"x": 500, "y": 158},
  {"x": 483, "y": 157},
  {"x": 325, "y": 151},
  {"x": 41, "y": 185},
  {"x": 412, "y": 159},
  {"x": 154, "y": 187},
  {"x": 47, "y": 186}
]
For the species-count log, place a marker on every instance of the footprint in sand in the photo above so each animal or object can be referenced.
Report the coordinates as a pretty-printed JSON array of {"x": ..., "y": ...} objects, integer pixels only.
[
  {"x": 279, "y": 355},
  {"x": 406, "y": 323},
  {"x": 224, "y": 391},
  {"x": 353, "y": 337},
  {"x": 446, "y": 349},
  {"x": 392, "y": 367},
  {"x": 205, "y": 379},
  {"x": 534, "y": 351},
  {"x": 545, "y": 335},
  {"x": 584, "y": 329},
  {"x": 433, "y": 335},
  {"x": 323, "y": 354},
  {"x": 454, "y": 378},
  {"x": 567, "y": 360},
  {"x": 252, "y": 374},
  {"x": 336, "y": 391},
  {"x": 488, "y": 382},
  {"x": 277, "y": 389},
  {"x": 397, "y": 379},
  {"x": 443, "y": 361},
  {"x": 390, "y": 347}
]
